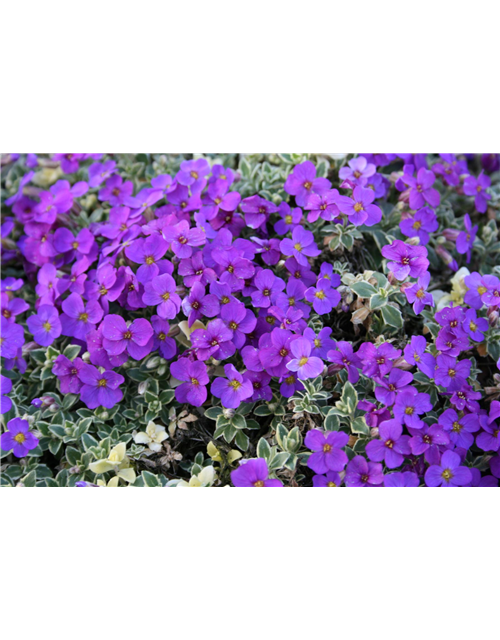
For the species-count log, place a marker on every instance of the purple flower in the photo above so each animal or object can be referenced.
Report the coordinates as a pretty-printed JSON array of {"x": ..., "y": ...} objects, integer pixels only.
[
  {"x": 194, "y": 270},
  {"x": 268, "y": 249},
  {"x": 304, "y": 364},
  {"x": 300, "y": 272},
  {"x": 192, "y": 174},
  {"x": 323, "y": 297},
  {"x": 409, "y": 405},
  {"x": 6, "y": 387},
  {"x": 465, "y": 239},
  {"x": 327, "y": 447},
  {"x": 117, "y": 192},
  {"x": 461, "y": 429},
  {"x": 257, "y": 210},
  {"x": 289, "y": 385},
  {"x": 19, "y": 193},
  {"x": 300, "y": 246},
  {"x": 359, "y": 209},
  {"x": 476, "y": 187},
  {"x": 233, "y": 389},
  {"x": 11, "y": 284},
  {"x": 70, "y": 162},
  {"x": 166, "y": 346},
  {"x": 11, "y": 338},
  {"x": 135, "y": 338},
  {"x": 195, "y": 378},
  {"x": 475, "y": 327},
  {"x": 489, "y": 438},
  {"x": 428, "y": 441},
  {"x": 100, "y": 171},
  {"x": 78, "y": 319},
  {"x": 302, "y": 182},
  {"x": 450, "y": 169},
  {"x": 68, "y": 372},
  {"x": 451, "y": 374},
  {"x": 240, "y": 320},
  {"x": 358, "y": 171},
  {"x": 324, "y": 206},
  {"x": 361, "y": 473},
  {"x": 260, "y": 383},
  {"x": 491, "y": 297},
  {"x": 401, "y": 479},
  {"x": 345, "y": 357},
  {"x": 100, "y": 389},
  {"x": 18, "y": 438},
  {"x": 218, "y": 198},
  {"x": 181, "y": 238},
  {"x": 392, "y": 446},
  {"x": 290, "y": 218},
  {"x": 406, "y": 260},
  {"x": 161, "y": 291},
  {"x": 420, "y": 225},
  {"x": 449, "y": 473},
  {"x": 275, "y": 351},
  {"x": 147, "y": 252},
  {"x": 417, "y": 294},
  {"x": 420, "y": 188},
  {"x": 197, "y": 304},
  {"x": 321, "y": 343},
  {"x": 465, "y": 398},
  {"x": 45, "y": 325},
  {"x": 331, "y": 479},
  {"x": 268, "y": 286},
  {"x": 398, "y": 381},
  {"x": 377, "y": 361},
  {"x": 12, "y": 307},
  {"x": 231, "y": 263},
  {"x": 214, "y": 341},
  {"x": 253, "y": 473}
]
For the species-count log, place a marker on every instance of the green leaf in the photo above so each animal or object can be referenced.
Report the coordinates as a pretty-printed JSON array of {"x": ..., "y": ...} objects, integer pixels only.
[
  {"x": 166, "y": 396},
  {"x": 71, "y": 351},
  {"x": 213, "y": 413},
  {"x": 262, "y": 410},
  {"x": 359, "y": 426},
  {"x": 263, "y": 449},
  {"x": 69, "y": 400},
  {"x": 72, "y": 456},
  {"x": 238, "y": 421},
  {"x": 378, "y": 301},
  {"x": 349, "y": 397},
  {"x": 241, "y": 440},
  {"x": 150, "y": 480},
  {"x": 30, "y": 479},
  {"x": 392, "y": 316},
  {"x": 332, "y": 422},
  {"x": 363, "y": 289}
]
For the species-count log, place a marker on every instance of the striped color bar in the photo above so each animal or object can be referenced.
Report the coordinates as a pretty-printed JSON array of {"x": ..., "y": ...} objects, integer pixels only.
[{"x": 249, "y": 563}]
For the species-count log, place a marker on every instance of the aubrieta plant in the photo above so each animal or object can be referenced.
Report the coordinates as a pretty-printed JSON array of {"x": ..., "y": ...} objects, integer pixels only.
[{"x": 250, "y": 320}]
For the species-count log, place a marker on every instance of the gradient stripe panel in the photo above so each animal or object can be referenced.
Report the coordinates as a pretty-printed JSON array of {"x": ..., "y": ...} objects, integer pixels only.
[{"x": 245, "y": 563}]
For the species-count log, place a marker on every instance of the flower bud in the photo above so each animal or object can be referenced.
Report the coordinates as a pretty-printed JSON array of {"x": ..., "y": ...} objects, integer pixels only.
[
  {"x": 153, "y": 362},
  {"x": 142, "y": 387}
]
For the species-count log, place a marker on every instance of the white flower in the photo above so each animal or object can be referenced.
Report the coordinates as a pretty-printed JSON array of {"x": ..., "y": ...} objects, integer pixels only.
[
  {"x": 116, "y": 461},
  {"x": 205, "y": 478},
  {"x": 153, "y": 436}
]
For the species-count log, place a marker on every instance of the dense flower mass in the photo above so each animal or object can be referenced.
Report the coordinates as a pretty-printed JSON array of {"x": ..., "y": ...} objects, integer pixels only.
[{"x": 255, "y": 321}]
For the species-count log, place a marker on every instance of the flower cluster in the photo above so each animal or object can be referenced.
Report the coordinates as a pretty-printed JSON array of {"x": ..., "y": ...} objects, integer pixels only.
[{"x": 153, "y": 288}]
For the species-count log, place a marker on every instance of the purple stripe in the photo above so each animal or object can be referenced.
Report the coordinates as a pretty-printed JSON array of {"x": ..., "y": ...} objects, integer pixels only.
[
  {"x": 412, "y": 563},
  {"x": 355, "y": 567},
  {"x": 245, "y": 563},
  {"x": 320, "y": 563},
  {"x": 273, "y": 563},
  {"x": 81, "y": 560}
]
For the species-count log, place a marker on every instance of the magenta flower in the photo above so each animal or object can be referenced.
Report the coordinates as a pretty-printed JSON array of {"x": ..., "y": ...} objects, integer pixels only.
[
  {"x": 420, "y": 188},
  {"x": 195, "y": 377},
  {"x": 460, "y": 430},
  {"x": 327, "y": 447},
  {"x": 420, "y": 225},
  {"x": 358, "y": 171},
  {"x": 290, "y": 218},
  {"x": 134, "y": 338},
  {"x": 18, "y": 438},
  {"x": 450, "y": 169},
  {"x": 377, "y": 361},
  {"x": 361, "y": 473},
  {"x": 401, "y": 479},
  {"x": 429, "y": 441},
  {"x": 49, "y": 286},
  {"x": 417, "y": 294},
  {"x": 101, "y": 171},
  {"x": 268, "y": 249},
  {"x": 12, "y": 307},
  {"x": 147, "y": 252},
  {"x": 45, "y": 325},
  {"x": 194, "y": 270},
  {"x": 161, "y": 291},
  {"x": 182, "y": 239},
  {"x": 389, "y": 388},
  {"x": 100, "y": 389},
  {"x": 260, "y": 383},
  {"x": 449, "y": 473},
  {"x": 321, "y": 343},
  {"x": 117, "y": 192},
  {"x": 331, "y": 479},
  {"x": 324, "y": 206},
  {"x": 323, "y": 297},
  {"x": 233, "y": 389},
  {"x": 79, "y": 318},
  {"x": 359, "y": 209},
  {"x": 268, "y": 287},
  {"x": 218, "y": 198},
  {"x": 465, "y": 239},
  {"x": 344, "y": 357},
  {"x": 304, "y": 364},
  {"x": 392, "y": 445},
  {"x": 26, "y": 179},
  {"x": 451, "y": 374},
  {"x": 253, "y": 473},
  {"x": 192, "y": 174},
  {"x": 68, "y": 372},
  {"x": 302, "y": 182},
  {"x": 275, "y": 351},
  {"x": 405, "y": 260},
  {"x": 164, "y": 183},
  {"x": 70, "y": 162},
  {"x": 197, "y": 304},
  {"x": 165, "y": 345},
  {"x": 240, "y": 320},
  {"x": 476, "y": 187},
  {"x": 414, "y": 353},
  {"x": 6, "y": 387},
  {"x": 257, "y": 210},
  {"x": 11, "y": 338},
  {"x": 231, "y": 263},
  {"x": 300, "y": 246},
  {"x": 214, "y": 341},
  {"x": 410, "y": 405}
]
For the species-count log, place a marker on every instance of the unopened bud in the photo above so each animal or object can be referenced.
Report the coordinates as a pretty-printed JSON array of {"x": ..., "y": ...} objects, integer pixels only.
[
  {"x": 153, "y": 362},
  {"x": 142, "y": 387},
  {"x": 74, "y": 470}
]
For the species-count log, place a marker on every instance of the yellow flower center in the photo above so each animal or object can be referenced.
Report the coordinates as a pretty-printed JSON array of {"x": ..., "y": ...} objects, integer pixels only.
[
  {"x": 161, "y": 336},
  {"x": 233, "y": 325},
  {"x": 317, "y": 343},
  {"x": 47, "y": 326},
  {"x": 224, "y": 299},
  {"x": 150, "y": 260},
  {"x": 420, "y": 293},
  {"x": 102, "y": 382},
  {"x": 320, "y": 294},
  {"x": 472, "y": 326},
  {"x": 20, "y": 438},
  {"x": 288, "y": 219},
  {"x": 127, "y": 335},
  {"x": 259, "y": 483},
  {"x": 358, "y": 207},
  {"x": 409, "y": 411},
  {"x": 331, "y": 484},
  {"x": 235, "y": 384},
  {"x": 75, "y": 245},
  {"x": 297, "y": 246},
  {"x": 83, "y": 317},
  {"x": 481, "y": 290},
  {"x": 327, "y": 448},
  {"x": 457, "y": 427},
  {"x": 417, "y": 224},
  {"x": 195, "y": 382},
  {"x": 166, "y": 296},
  {"x": 308, "y": 185},
  {"x": 303, "y": 361},
  {"x": 447, "y": 475}
]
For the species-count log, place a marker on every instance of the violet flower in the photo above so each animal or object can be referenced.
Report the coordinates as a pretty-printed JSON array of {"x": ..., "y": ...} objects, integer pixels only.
[
  {"x": 196, "y": 304},
  {"x": 215, "y": 340},
  {"x": 253, "y": 473},
  {"x": 195, "y": 378},
  {"x": 79, "y": 318},
  {"x": 429, "y": 441},
  {"x": 5, "y": 388},
  {"x": 304, "y": 364},
  {"x": 240, "y": 320},
  {"x": 410, "y": 405},
  {"x": 327, "y": 447},
  {"x": 45, "y": 326},
  {"x": 423, "y": 223},
  {"x": 147, "y": 252},
  {"x": 420, "y": 188},
  {"x": 18, "y": 437},
  {"x": 68, "y": 372},
  {"x": 449, "y": 473},
  {"x": 460, "y": 430},
  {"x": 361, "y": 473},
  {"x": 136, "y": 338},
  {"x": 11, "y": 338},
  {"x": 165, "y": 345},
  {"x": 268, "y": 287},
  {"x": 302, "y": 182},
  {"x": 100, "y": 389},
  {"x": 417, "y": 294},
  {"x": 392, "y": 445},
  {"x": 405, "y": 260},
  {"x": 359, "y": 209},
  {"x": 476, "y": 187},
  {"x": 300, "y": 246},
  {"x": 161, "y": 291},
  {"x": 233, "y": 389},
  {"x": 290, "y": 218}
]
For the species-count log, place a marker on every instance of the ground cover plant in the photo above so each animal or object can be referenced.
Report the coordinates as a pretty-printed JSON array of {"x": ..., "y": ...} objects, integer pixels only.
[{"x": 250, "y": 320}]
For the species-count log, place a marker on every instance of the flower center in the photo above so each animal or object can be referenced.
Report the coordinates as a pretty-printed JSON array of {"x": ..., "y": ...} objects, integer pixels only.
[
  {"x": 308, "y": 185},
  {"x": 389, "y": 444},
  {"x": 320, "y": 294},
  {"x": 224, "y": 299},
  {"x": 116, "y": 192},
  {"x": 420, "y": 294},
  {"x": 451, "y": 373},
  {"x": 290, "y": 380},
  {"x": 196, "y": 304},
  {"x": 357, "y": 174},
  {"x": 47, "y": 326},
  {"x": 102, "y": 382},
  {"x": 417, "y": 224},
  {"x": 150, "y": 260},
  {"x": 258, "y": 483},
  {"x": 194, "y": 175},
  {"x": 482, "y": 290},
  {"x": 419, "y": 188},
  {"x": 288, "y": 219},
  {"x": 327, "y": 448},
  {"x": 182, "y": 239},
  {"x": 218, "y": 200},
  {"x": 230, "y": 268},
  {"x": 235, "y": 384},
  {"x": 195, "y": 382},
  {"x": 331, "y": 484},
  {"x": 447, "y": 475},
  {"x": 364, "y": 478},
  {"x": 83, "y": 317},
  {"x": 270, "y": 319},
  {"x": 478, "y": 188},
  {"x": 6, "y": 313},
  {"x": 127, "y": 335},
  {"x": 20, "y": 438},
  {"x": 409, "y": 411},
  {"x": 214, "y": 343},
  {"x": 75, "y": 245},
  {"x": 165, "y": 296},
  {"x": 317, "y": 343},
  {"x": 303, "y": 361},
  {"x": 358, "y": 207},
  {"x": 405, "y": 260},
  {"x": 161, "y": 336},
  {"x": 457, "y": 427},
  {"x": 103, "y": 291},
  {"x": 392, "y": 387},
  {"x": 283, "y": 352},
  {"x": 297, "y": 246},
  {"x": 427, "y": 439},
  {"x": 233, "y": 325}
]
